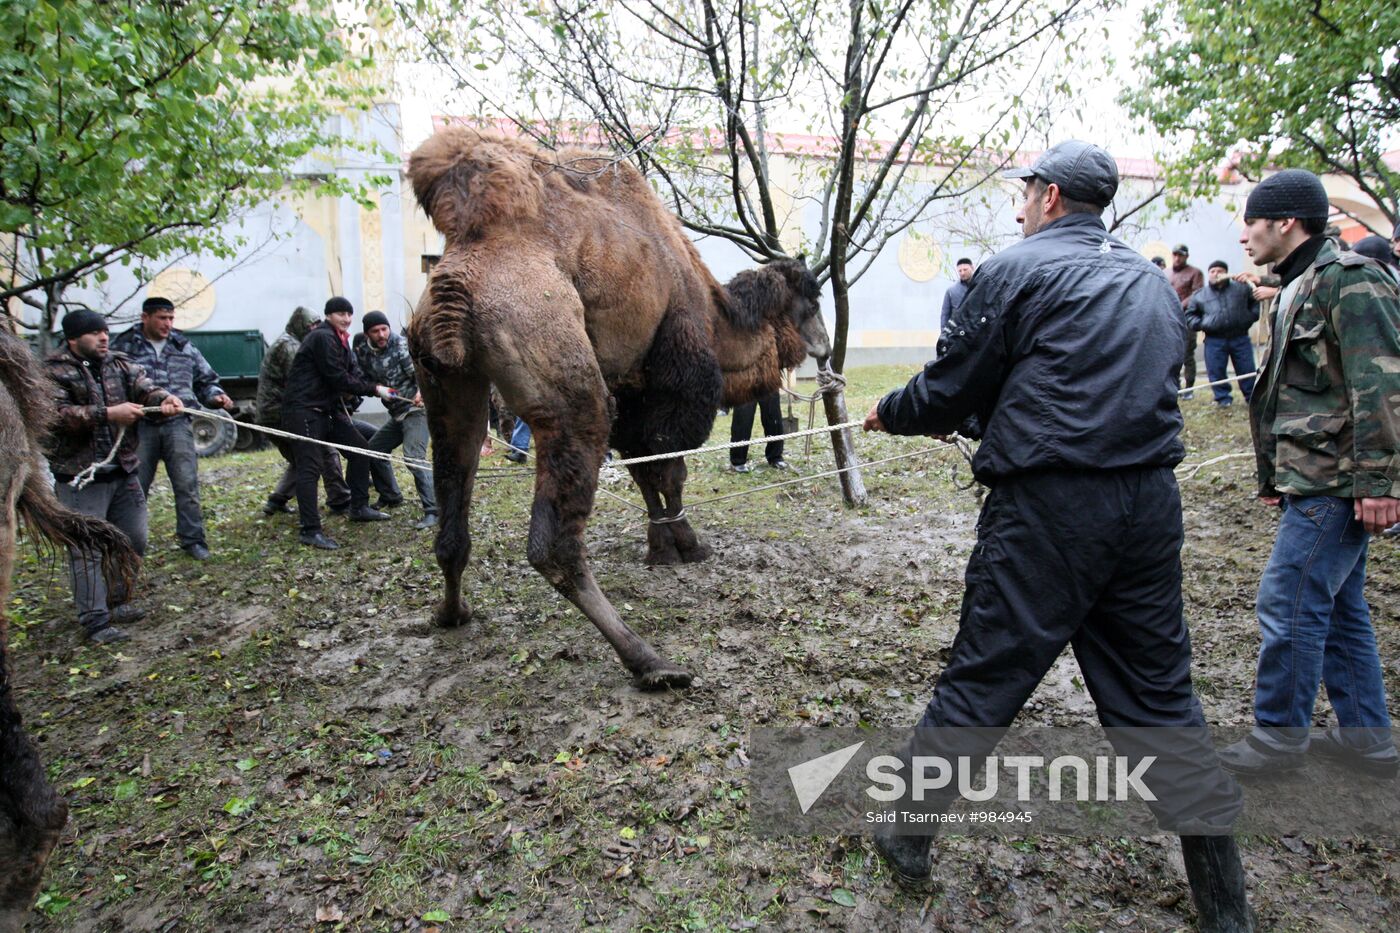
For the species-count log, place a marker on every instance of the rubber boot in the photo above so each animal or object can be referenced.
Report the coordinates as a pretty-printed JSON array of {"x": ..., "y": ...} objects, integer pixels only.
[
  {"x": 1217, "y": 884},
  {"x": 909, "y": 859}
]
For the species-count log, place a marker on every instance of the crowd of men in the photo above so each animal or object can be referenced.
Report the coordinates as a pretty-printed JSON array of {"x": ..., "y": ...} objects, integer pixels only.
[
  {"x": 1065, "y": 353},
  {"x": 123, "y": 409}
]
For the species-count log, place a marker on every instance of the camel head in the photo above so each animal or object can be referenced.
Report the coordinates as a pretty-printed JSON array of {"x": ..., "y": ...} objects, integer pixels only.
[{"x": 803, "y": 311}]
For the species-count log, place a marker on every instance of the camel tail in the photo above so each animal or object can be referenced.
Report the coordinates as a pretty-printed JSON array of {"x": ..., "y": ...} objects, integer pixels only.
[
  {"x": 44, "y": 515},
  {"x": 467, "y": 181}
]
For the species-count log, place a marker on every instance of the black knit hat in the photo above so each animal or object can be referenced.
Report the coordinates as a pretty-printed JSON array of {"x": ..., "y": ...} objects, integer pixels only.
[
  {"x": 374, "y": 319},
  {"x": 156, "y": 303},
  {"x": 339, "y": 305},
  {"x": 81, "y": 322},
  {"x": 1293, "y": 192},
  {"x": 1218, "y": 264},
  {"x": 1377, "y": 248}
]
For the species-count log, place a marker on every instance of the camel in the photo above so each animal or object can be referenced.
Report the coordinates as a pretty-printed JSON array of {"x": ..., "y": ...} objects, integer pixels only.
[
  {"x": 567, "y": 284},
  {"x": 32, "y": 815}
]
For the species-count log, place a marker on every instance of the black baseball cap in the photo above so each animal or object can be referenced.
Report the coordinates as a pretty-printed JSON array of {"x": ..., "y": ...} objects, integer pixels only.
[{"x": 1083, "y": 171}]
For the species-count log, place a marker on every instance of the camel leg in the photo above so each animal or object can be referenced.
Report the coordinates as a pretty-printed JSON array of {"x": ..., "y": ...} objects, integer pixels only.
[
  {"x": 569, "y": 451},
  {"x": 457, "y": 418},
  {"x": 661, "y": 544},
  {"x": 672, "y": 476}
]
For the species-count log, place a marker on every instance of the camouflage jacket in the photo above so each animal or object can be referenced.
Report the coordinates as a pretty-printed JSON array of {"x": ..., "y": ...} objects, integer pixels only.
[
  {"x": 1326, "y": 410},
  {"x": 179, "y": 368},
  {"x": 391, "y": 367},
  {"x": 82, "y": 391},
  {"x": 277, "y": 365}
]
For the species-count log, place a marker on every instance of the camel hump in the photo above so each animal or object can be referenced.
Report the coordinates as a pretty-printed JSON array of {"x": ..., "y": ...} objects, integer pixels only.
[{"x": 466, "y": 180}]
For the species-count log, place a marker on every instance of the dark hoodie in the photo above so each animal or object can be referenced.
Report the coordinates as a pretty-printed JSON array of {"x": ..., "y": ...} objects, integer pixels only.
[{"x": 277, "y": 365}]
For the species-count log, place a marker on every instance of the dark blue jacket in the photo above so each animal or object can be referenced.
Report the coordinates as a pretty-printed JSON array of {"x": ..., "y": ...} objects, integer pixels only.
[
  {"x": 1066, "y": 349},
  {"x": 180, "y": 369},
  {"x": 1223, "y": 312}
]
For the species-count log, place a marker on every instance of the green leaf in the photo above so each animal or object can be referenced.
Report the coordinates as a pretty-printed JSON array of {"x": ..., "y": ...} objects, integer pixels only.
[
  {"x": 245, "y": 764},
  {"x": 82, "y": 782},
  {"x": 125, "y": 790},
  {"x": 437, "y": 916},
  {"x": 238, "y": 806},
  {"x": 843, "y": 897}
]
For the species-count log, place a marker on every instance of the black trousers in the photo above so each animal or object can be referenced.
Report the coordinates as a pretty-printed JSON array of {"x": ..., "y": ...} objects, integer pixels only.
[
  {"x": 1091, "y": 560},
  {"x": 308, "y": 457},
  {"x": 741, "y": 428}
]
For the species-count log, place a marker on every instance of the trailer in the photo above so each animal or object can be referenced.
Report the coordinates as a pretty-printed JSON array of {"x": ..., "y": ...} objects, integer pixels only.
[{"x": 236, "y": 355}]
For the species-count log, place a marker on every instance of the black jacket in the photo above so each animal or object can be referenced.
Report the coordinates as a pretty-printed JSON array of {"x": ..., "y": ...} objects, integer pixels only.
[
  {"x": 1066, "y": 349},
  {"x": 323, "y": 370},
  {"x": 1225, "y": 312}
]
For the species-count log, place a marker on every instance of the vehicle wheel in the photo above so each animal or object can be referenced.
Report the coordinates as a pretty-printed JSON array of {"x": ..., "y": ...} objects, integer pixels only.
[
  {"x": 212, "y": 438},
  {"x": 249, "y": 440}
]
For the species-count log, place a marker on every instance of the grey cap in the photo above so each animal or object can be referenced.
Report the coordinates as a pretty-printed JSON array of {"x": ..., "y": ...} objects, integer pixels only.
[{"x": 1083, "y": 171}]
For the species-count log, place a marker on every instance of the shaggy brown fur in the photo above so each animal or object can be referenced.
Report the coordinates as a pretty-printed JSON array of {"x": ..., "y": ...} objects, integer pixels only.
[
  {"x": 31, "y": 815},
  {"x": 567, "y": 284}
]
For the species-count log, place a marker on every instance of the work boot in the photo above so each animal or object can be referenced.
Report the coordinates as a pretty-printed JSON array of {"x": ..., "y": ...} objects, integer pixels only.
[
  {"x": 515, "y": 456},
  {"x": 384, "y": 503},
  {"x": 366, "y": 514},
  {"x": 271, "y": 508},
  {"x": 740, "y": 468},
  {"x": 908, "y": 858},
  {"x": 319, "y": 539},
  {"x": 197, "y": 551},
  {"x": 1217, "y": 884},
  {"x": 1379, "y": 760},
  {"x": 107, "y": 635},
  {"x": 1250, "y": 757},
  {"x": 126, "y": 614},
  {"x": 427, "y": 522}
]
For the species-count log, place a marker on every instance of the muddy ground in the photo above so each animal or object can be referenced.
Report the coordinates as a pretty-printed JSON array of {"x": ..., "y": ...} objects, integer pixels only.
[{"x": 287, "y": 743}]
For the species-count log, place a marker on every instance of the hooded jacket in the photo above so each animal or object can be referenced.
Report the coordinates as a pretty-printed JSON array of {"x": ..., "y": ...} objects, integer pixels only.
[
  {"x": 392, "y": 367},
  {"x": 323, "y": 370},
  {"x": 1067, "y": 349},
  {"x": 277, "y": 366},
  {"x": 82, "y": 391}
]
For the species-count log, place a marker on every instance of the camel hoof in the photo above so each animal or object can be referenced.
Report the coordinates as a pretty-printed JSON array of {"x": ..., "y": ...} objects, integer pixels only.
[
  {"x": 449, "y": 617},
  {"x": 664, "y": 677},
  {"x": 663, "y": 557},
  {"x": 694, "y": 555}
]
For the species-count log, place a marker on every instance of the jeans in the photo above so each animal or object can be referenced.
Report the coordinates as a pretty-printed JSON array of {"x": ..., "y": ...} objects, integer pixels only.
[
  {"x": 337, "y": 492},
  {"x": 318, "y": 426},
  {"x": 1317, "y": 628},
  {"x": 520, "y": 437},
  {"x": 412, "y": 433},
  {"x": 741, "y": 428},
  {"x": 122, "y": 502},
  {"x": 1187, "y": 377},
  {"x": 1221, "y": 351},
  {"x": 381, "y": 472},
  {"x": 172, "y": 442}
]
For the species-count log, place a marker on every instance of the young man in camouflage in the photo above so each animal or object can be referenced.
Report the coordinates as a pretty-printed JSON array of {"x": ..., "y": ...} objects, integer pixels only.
[
  {"x": 385, "y": 360},
  {"x": 1328, "y": 444},
  {"x": 272, "y": 383},
  {"x": 174, "y": 364},
  {"x": 97, "y": 394}
]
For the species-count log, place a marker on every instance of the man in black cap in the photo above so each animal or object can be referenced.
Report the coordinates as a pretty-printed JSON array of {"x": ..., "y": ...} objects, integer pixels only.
[
  {"x": 99, "y": 397},
  {"x": 323, "y": 371},
  {"x": 1187, "y": 280},
  {"x": 177, "y": 366},
  {"x": 1066, "y": 349},
  {"x": 1327, "y": 445},
  {"x": 384, "y": 358}
]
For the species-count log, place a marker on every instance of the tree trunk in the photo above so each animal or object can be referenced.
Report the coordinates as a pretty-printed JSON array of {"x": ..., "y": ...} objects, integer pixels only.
[{"x": 53, "y": 294}]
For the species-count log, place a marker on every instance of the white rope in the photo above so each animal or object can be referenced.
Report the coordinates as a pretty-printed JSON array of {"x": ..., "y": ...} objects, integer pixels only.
[
  {"x": 89, "y": 473},
  {"x": 1211, "y": 462},
  {"x": 1218, "y": 382}
]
